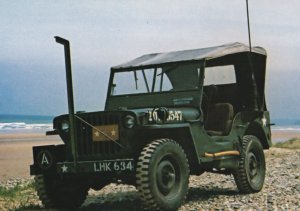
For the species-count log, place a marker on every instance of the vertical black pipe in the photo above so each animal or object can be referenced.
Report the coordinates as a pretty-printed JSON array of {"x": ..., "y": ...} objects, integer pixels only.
[
  {"x": 154, "y": 80},
  {"x": 73, "y": 134}
]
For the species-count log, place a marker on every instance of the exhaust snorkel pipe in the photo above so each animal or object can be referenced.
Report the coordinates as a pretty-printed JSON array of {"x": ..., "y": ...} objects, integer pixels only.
[{"x": 73, "y": 133}]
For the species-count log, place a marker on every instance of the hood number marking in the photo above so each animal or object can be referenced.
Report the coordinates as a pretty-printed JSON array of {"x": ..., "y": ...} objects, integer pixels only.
[{"x": 174, "y": 115}]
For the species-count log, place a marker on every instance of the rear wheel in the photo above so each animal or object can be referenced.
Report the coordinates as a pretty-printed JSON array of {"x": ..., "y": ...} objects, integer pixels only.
[
  {"x": 162, "y": 175},
  {"x": 250, "y": 175},
  {"x": 56, "y": 193}
]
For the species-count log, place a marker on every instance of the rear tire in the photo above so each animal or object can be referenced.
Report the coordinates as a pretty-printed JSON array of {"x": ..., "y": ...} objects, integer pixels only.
[
  {"x": 162, "y": 175},
  {"x": 250, "y": 175},
  {"x": 56, "y": 193}
]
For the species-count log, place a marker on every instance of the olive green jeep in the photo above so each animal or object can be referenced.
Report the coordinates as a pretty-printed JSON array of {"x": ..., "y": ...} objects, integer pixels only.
[{"x": 167, "y": 116}]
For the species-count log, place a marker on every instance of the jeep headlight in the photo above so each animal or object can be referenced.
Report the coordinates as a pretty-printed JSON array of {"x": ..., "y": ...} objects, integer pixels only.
[
  {"x": 129, "y": 121},
  {"x": 65, "y": 126}
]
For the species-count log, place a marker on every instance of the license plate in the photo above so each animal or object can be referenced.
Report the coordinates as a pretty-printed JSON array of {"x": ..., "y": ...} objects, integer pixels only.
[{"x": 113, "y": 165}]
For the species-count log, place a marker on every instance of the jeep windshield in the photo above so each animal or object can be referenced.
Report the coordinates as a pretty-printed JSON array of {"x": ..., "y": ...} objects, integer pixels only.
[
  {"x": 169, "y": 78},
  {"x": 168, "y": 85}
]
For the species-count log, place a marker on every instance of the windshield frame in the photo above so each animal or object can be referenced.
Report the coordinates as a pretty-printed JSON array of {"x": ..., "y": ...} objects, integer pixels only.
[
  {"x": 155, "y": 83},
  {"x": 171, "y": 96}
]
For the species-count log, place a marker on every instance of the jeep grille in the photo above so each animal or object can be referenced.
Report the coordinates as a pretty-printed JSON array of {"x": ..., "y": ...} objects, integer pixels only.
[{"x": 87, "y": 145}]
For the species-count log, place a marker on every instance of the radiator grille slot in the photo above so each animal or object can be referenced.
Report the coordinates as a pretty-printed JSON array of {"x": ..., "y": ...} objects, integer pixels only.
[{"x": 86, "y": 145}]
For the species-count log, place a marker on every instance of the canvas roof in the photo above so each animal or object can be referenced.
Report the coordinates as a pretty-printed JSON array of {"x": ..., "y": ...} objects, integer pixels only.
[{"x": 189, "y": 55}]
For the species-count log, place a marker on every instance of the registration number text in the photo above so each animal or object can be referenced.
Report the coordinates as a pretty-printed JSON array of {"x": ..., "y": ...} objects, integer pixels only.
[{"x": 115, "y": 165}]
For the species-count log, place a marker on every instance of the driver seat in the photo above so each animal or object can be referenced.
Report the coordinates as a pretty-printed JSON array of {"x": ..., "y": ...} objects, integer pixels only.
[{"x": 219, "y": 119}]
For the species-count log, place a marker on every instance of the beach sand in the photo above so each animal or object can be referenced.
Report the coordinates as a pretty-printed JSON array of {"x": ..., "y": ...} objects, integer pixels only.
[
  {"x": 16, "y": 151},
  {"x": 284, "y": 135}
]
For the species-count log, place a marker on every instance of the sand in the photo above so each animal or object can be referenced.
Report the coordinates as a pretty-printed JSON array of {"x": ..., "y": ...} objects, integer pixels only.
[
  {"x": 284, "y": 135},
  {"x": 16, "y": 151}
]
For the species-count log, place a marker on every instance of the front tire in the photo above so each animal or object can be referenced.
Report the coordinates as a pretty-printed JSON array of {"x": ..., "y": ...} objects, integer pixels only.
[
  {"x": 250, "y": 175},
  {"x": 56, "y": 193},
  {"x": 162, "y": 175}
]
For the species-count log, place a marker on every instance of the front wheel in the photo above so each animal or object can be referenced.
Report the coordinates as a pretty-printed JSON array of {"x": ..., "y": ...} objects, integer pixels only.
[
  {"x": 162, "y": 175},
  {"x": 57, "y": 193},
  {"x": 250, "y": 175}
]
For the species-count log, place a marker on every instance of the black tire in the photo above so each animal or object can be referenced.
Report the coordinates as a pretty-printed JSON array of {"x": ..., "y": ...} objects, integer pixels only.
[
  {"x": 56, "y": 193},
  {"x": 250, "y": 175},
  {"x": 162, "y": 175}
]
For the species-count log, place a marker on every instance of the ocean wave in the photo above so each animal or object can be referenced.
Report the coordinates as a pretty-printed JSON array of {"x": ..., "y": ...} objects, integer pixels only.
[
  {"x": 286, "y": 128},
  {"x": 49, "y": 126},
  {"x": 24, "y": 126}
]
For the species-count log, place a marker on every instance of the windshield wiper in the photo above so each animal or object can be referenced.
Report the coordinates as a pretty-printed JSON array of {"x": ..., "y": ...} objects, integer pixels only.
[
  {"x": 146, "y": 82},
  {"x": 136, "y": 80},
  {"x": 154, "y": 79}
]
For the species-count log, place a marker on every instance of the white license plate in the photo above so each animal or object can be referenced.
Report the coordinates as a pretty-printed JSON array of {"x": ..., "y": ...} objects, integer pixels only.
[{"x": 113, "y": 165}]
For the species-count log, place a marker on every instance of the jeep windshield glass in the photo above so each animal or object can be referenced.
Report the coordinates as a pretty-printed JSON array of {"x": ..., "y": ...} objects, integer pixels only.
[{"x": 160, "y": 79}]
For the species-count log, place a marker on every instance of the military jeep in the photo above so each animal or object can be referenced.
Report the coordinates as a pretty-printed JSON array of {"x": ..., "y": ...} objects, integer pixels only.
[{"x": 167, "y": 116}]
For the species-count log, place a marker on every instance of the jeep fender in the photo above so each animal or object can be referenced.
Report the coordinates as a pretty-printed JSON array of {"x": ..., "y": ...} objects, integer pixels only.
[
  {"x": 181, "y": 133},
  {"x": 255, "y": 128},
  {"x": 255, "y": 123}
]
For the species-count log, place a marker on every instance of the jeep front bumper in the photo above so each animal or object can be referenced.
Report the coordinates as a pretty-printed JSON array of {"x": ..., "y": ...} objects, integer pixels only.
[{"x": 51, "y": 160}]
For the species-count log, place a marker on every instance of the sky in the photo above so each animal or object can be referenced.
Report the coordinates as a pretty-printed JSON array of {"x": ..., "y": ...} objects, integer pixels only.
[{"x": 108, "y": 33}]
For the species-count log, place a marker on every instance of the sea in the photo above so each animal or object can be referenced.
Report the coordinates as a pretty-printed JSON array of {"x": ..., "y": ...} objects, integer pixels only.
[{"x": 13, "y": 124}]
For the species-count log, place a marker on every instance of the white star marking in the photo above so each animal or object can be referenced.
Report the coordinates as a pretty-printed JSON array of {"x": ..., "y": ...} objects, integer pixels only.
[
  {"x": 64, "y": 168},
  {"x": 113, "y": 132},
  {"x": 264, "y": 121},
  {"x": 97, "y": 133}
]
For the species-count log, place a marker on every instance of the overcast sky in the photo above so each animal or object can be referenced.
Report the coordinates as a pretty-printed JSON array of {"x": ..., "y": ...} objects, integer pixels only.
[{"x": 105, "y": 34}]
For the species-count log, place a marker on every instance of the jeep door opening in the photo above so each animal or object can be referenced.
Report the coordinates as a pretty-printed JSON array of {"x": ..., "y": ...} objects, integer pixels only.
[{"x": 167, "y": 116}]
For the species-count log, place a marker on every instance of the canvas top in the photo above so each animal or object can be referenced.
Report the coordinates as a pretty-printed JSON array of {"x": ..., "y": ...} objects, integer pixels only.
[{"x": 189, "y": 55}]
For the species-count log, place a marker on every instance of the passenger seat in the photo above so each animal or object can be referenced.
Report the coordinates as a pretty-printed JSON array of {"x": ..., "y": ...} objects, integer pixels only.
[{"x": 219, "y": 119}]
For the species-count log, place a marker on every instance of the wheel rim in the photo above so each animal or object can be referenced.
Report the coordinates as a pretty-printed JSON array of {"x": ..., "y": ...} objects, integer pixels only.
[
  {"x": 166, "y": 177},
  {"x": 253, "y": 166}
]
